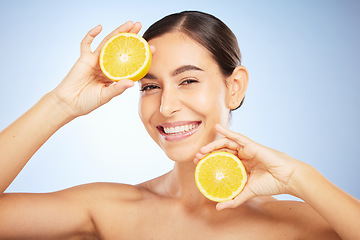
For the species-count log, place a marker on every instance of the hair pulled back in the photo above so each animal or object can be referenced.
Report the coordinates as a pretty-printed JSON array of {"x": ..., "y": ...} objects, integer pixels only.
[{"x": 205, "y": 29}]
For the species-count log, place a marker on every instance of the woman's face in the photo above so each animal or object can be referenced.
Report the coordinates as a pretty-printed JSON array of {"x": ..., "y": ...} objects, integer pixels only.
[{"x": 182, "y": 97}]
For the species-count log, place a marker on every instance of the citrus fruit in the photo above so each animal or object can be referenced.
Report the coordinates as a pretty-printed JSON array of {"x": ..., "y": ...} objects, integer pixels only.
[
  {"x": 125, "y": 56},
  {"x": 220, "y": 176}
]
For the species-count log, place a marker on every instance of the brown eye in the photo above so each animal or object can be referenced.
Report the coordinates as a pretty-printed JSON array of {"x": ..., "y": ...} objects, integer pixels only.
[
  {"x": 189, "y": 81},
  {"x": 149, "y": 88}
]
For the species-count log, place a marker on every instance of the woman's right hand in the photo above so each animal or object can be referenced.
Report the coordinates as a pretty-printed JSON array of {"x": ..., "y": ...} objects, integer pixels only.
[{"x": 85, "y": 88}]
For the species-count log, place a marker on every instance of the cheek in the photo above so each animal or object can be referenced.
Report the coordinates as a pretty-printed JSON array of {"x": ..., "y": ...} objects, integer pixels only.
[
  {"x": 209, "y": 100},
  {"x": 144, "y": 110}
]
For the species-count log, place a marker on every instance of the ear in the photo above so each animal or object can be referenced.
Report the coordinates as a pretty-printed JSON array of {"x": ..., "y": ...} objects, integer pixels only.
[{"x": 237, "y": 85}]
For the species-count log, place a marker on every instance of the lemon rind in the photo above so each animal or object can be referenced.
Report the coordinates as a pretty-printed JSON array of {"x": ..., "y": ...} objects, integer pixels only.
[
  {"x": 136, "y": 75},
  {"x": 234, "y": 194}
]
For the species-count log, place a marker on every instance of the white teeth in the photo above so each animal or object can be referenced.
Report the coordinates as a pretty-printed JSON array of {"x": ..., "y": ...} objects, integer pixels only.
[
  {"x": 186, "y": 128},
  {"x": 180, "y": 129}
]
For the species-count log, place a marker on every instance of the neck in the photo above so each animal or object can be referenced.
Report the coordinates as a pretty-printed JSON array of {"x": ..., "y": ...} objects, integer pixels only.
[{"x": 181, "y": 184}]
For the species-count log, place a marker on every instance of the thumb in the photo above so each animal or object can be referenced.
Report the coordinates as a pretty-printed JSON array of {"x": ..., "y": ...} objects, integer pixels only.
[
  {"x": 245, "y": 195},
  {"x": 115, "y": 89}
]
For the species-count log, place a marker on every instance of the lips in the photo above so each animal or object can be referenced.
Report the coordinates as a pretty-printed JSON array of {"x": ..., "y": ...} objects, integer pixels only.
[{"x": 176, "y": 131}]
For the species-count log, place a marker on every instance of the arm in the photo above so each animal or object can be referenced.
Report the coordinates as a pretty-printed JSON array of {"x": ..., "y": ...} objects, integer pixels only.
[
  {"x": 272, "y": 172},
  {"x": 84, "y": 89},
  {"x": 57, "y": 215},
  {"x": 338, "y": 208},
  {"x": 26, "y": 135}
]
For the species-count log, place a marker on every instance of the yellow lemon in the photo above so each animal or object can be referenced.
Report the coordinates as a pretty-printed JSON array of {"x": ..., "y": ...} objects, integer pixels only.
[
  {"x": 125, "y": 56},
  {"x": 220, "y": 176}
]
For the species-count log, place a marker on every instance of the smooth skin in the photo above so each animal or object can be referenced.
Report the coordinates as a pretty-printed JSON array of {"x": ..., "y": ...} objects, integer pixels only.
[{"x": 170, "y": 206}]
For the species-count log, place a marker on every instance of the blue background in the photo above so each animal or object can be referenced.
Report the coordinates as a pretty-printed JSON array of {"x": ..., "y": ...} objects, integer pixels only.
[{"x": 303, "y": 96}]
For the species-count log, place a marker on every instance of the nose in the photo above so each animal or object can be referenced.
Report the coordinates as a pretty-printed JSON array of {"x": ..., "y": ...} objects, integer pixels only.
[{"x": 170, "y": 102}]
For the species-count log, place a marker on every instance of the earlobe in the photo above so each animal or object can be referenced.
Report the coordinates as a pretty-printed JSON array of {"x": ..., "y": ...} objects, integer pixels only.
[{"x": 238, "y": 80}]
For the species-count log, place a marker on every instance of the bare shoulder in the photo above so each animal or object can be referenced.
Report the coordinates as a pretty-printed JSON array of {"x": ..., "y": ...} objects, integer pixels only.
[
  {"x": 115, "y": 195},
  {"x": 113, "y": 207},
  {"x": 300, "y": 216},
  {"x": 109, "y": 191},
  {"x": 98, "y": 193},
  {"x": 75, "y": 211}
]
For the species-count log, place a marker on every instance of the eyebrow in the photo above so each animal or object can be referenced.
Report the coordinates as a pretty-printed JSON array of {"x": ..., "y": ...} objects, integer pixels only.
[
  {"x": 184, "y": 69},
  {"x": 177, "y": 71}
]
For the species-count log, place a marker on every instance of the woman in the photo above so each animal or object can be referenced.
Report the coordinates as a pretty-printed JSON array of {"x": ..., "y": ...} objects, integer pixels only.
[{"x": 194, "y": 82}]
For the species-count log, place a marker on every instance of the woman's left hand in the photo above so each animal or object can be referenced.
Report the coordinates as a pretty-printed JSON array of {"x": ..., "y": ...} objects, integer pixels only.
[{"x": 270, "y": 172}]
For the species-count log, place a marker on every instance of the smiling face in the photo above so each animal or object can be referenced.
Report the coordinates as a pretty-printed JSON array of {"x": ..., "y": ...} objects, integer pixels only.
[{"x": 182, "y": 97}]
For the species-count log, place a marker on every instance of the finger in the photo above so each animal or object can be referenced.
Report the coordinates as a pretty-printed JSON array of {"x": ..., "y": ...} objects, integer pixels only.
[
  {"x": 232, "y": 151},
  {"x": 115, "y": 89},
  {"x": 223, "y": 205},
  {"x": 222, "y": 143},
  {"x": 126, "y": 27},
  {"x": 136, "y": 28},
  {"x": 237, "y": 137},
  {"x": 249, "y": 150},
  {"x": 197, "y": 158},
  {"x": 88, "y": 39},
  {"x": 245, "y": 195}
]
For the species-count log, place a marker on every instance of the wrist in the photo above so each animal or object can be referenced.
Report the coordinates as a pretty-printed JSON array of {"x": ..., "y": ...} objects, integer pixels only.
[
  {"x": 56, "y": 111},
  {"x": 305, "y": 181}
]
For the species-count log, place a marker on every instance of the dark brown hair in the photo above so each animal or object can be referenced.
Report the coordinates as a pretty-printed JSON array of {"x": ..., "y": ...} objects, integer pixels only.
[{"x": 205, "y": 29}]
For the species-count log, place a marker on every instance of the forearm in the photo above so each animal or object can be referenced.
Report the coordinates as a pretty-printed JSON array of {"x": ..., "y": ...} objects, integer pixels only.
[
  {"x": 339, "y": 209},
  {"x": 20, "y": 140}
]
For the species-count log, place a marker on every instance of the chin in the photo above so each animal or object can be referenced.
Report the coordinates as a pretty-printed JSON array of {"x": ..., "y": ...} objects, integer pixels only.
[
  {"x": 183, "y": 146},
  {"x": 185, "y": 151},
  {"x": 181, "y": 154}
]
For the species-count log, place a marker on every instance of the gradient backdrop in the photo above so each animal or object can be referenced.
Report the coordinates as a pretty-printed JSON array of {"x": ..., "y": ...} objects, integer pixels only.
[{"x": 303, "y": 97}]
